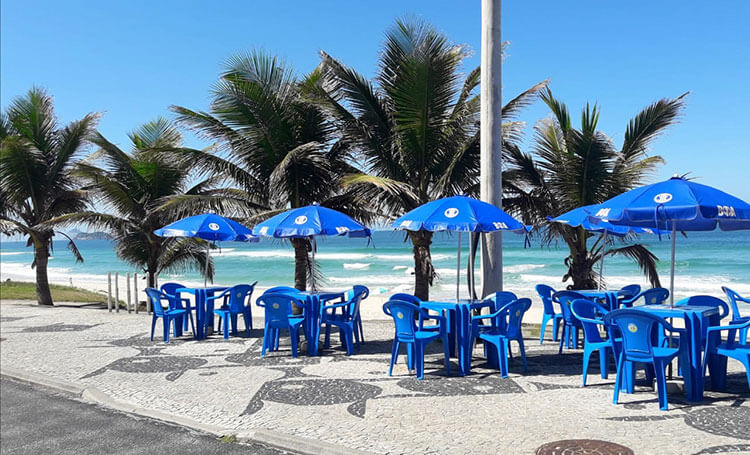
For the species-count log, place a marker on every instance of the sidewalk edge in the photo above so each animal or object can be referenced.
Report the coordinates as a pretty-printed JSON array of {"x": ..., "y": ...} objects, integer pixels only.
[{"x": 303, "y": 446}]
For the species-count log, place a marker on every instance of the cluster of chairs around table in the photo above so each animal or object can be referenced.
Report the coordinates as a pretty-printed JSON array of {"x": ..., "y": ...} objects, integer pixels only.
[
  {"x": 286, "y": 308},
  {"x": 612, "y": 322}
]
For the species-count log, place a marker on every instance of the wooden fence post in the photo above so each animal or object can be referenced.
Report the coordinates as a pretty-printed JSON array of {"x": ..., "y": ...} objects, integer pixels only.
[
  {"x": 117, "y": 292},
  {"x": 127, "y": 282},
  {"x": 135, "y": 290}
]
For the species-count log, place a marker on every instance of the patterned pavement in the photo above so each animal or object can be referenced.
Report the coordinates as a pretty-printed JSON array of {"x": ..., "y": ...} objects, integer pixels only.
[{"x": 351, "y": 401}]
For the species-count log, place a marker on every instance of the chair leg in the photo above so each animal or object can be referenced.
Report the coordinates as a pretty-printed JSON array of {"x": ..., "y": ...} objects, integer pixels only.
[
  {"x": 502, "y": 357},
  {"x": 545, "y": 320},
  {"x": 618, "y": 379},
  {"x": 661, "y": 384},
  {"x": 153, "y": 326},
  {"x": 419, "y": 354},
  {"x": 233, "y": 318},
  {"x": 743, "y": 335},
  {"x": 327, "y": 339},
  {"x": 267, "y": 336},
  {"x": 410, "y": 356},
  {"x": 166, "y": 329},
  {"x": 349, "y": 336},
  {"x": 225, "y": 321},
  {"x": 447, "y": 351},
  {"x": 603, "y": 361},
  {"x": 361, "y": 332},
  {"x": 563, "y": 337},
  {"x": 586, "y": 358},
  {"x": 522, "y": 348},
  {"x": 556, "y": 328},
  {"x": 248, "y": 316},
  {"x": 355, "y": 332},
  {"x": 294, "y": 336},
  {"x": 192, "y": 325},
  {"x": 394, "y": 357}
]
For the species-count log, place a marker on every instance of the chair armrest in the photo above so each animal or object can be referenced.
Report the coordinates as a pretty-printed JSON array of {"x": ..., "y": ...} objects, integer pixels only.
[
  {"x": 333, "y": 306},
  {"x": 503, "y": 309},
  {"x": 220, "y": 295},
  {"x": 423, "y": 314},
  {"x": 333, "y": 297},
  {"x": 729, "y": 327}
]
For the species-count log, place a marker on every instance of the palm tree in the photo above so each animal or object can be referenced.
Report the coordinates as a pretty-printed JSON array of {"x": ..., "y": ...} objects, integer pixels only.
[
  {"x": 571, "y": 167},
  {"x": 415, "y": 128},
  {"x": 279, "y": 150},
  {"x": 36, "y": 184},
  {"x": 144, "y": 190}
]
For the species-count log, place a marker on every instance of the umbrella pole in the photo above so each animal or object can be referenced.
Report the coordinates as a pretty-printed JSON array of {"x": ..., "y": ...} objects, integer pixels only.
[
  {"x": 458, "y": 266},
  {"x": 671, "y": 271},
  {"x": 205, "y": 266},
  {"x": 312, "y": 269},
  {"x": 601, "y": 261}
]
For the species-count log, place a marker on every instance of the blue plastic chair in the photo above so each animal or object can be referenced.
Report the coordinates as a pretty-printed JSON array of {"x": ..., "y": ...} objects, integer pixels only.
[
  {"x": 180, "y": 303},
  {"x": 737, "y": 317},
  {"x": 281, "y": 289},
  {"x": 168, "y": 315},
  {"x": 410, "y": 333},
  {"x": 236, "y": 296},
  {"x": 501, "y": 333},
  {"x": 590, "y": 314},
  {"x": 346, "y": 321},
  {"x": 628, "y": 292},
  {"x": 639, "y": 331},
  {"x": 500, "y": 299},
  {"x": 738, "y": 350},
  {"x": 653, "y": 296},
  {"x": 365, "y": 291},
  {"x": 278, "y": 308},
  {"x": 571, "y": 324},
  {"x": 545, "y": 293}
]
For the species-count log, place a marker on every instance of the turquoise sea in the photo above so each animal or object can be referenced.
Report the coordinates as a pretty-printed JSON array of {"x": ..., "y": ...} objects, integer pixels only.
[{"x": 705, "y": 262}]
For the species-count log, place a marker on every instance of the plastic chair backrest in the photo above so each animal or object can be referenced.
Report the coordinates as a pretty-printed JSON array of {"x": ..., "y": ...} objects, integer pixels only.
[
  {"x": 588, "y": 313},
  {"x": 406, "y": 298},
  {"x": 630, "y": 290},
  {"x": 170, "y": 288},
  {"x": 654, "y": 296},
  {"x": 706, "y": 300},
  {"x": 501, "y": 298},
  {"x": 238, "y": 295},
  {"x": 403, "y": 318},
  {"x": 278, "y": 307},
  {"x": 733, "y": 297},
  {"x": 545, "y": 293},
  {"x": 516, "y": 310},
  {"x": 355, "y": 300},
  {"x": 564, "y": 298},
  {"x": 156, "y": 296},
  {"x": 281, "y": 289},
  {"x": 636, "y": 328}
]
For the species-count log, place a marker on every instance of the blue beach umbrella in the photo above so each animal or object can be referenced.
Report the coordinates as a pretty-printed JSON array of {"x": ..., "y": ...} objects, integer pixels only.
[
  {"x": 311, "y": 221},
  {"x": 582, "y": 217},
  {"x": 459, "y": 214},
  {"x": 208, "y": 226},
  {"x": 676, "y": 204}
]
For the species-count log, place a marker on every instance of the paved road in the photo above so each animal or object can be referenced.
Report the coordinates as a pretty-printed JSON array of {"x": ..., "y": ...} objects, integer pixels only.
[{"x": 39, "y": 421}]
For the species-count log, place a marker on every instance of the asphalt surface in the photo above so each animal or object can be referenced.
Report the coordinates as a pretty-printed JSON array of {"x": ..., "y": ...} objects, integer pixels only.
[{"x": 34, "y": 420}]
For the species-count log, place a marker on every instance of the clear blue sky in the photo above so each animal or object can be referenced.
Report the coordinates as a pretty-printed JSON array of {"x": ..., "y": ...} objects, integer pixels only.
[{"x": 130, "y": 60}]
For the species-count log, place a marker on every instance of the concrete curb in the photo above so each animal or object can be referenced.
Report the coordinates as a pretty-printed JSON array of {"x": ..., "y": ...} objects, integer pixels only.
[{"x": 303, "y": 446}]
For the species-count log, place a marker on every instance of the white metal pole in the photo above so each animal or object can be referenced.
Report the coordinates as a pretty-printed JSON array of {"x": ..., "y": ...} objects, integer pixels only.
[
  {"x": 491, "y": 137},
  {"x": 135, "y": 290},
  {"x": 117, "y": 292},
  {"x": 601, "y": 261},
  {"x": 205, "y": 266},
  {"x": 458, "y": 267},
  {"x": 671, "y": 271},
  {"x": 127, "y": 285},
  {"x": 312, "y": 268}
]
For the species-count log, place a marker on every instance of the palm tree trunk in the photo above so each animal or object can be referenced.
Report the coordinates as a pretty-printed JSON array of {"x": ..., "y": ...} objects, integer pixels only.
[
  {"x": 151, "y": 270},
  {"x": 41, "y": 258},
  {"x": 300, "y": 263},
  {"x": 423, "y": 269},
  {"x": 580, "y": 270}
]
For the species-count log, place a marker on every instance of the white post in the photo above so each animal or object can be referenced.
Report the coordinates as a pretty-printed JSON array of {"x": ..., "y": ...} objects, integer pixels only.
[
  {"x": 117, "y": 292},
  {"x": 491, "y": 138},
  {"x": 109, "y": 291},
  {"x": 135, "y": 290},
  {"x": 127, "y": 283}
]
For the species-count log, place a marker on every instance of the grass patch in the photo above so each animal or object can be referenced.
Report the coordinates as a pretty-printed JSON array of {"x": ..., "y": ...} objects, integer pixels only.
[
  {"x": 22, "y": 290},
  {"x": 228, "y": 439}
]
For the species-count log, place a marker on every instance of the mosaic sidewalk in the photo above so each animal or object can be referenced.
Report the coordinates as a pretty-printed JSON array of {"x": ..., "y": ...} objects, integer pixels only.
[{"x": 351, "y": 401}]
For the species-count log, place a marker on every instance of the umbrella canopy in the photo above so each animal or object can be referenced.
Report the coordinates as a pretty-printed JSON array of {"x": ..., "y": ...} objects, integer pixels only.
[
  {"x": 310, "y": 221},
  {"x": 208, "y": 226},
  {"x": 583, "y": 217},
  {"x": 458, "y": 213},
  {"x": 679, "y": 205}
]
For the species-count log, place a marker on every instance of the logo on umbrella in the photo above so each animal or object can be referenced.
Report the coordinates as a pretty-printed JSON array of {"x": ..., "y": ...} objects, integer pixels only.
[
  {"x": 726, "y": 210},
  {"x": 662, "y": 198},
  {"x": 213, "y": 226},
  {"x": 500, "y": 225},
  {"x": 451, "y": 212},
  {"x": 342, "y": 229},
  {"x": 603, "y": 213},
  {"x": 302, "y": 219}
]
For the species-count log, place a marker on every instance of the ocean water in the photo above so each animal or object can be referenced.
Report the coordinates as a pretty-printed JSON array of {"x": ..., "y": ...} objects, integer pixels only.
[{"x": 705, "y": 262}]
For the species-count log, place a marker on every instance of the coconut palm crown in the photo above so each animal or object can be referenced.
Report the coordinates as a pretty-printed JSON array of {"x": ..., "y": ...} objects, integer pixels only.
[
  {"x": 571, "y": 167},
  {"x": 414, "y": 128},
  {"x": 37, "y": 156}
]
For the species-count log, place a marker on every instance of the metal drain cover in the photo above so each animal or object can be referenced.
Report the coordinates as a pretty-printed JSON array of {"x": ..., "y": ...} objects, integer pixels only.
[{"x": 583, "y": 447}]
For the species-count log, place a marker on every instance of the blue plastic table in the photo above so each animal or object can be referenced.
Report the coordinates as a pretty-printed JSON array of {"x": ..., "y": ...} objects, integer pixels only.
[
  {"x": 611, "y": 297},
  {"x": 312, "y": 316},
  {"x": 459, "y": 328},
  {"x": 204, "y": 309},
  {"x": 697, "y": 320}
]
